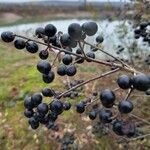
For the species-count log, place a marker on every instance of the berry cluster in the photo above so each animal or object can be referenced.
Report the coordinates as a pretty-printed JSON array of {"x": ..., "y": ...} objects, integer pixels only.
[
  {"x": 69, "y": 49},
  {"x": 143, "y": 31}
]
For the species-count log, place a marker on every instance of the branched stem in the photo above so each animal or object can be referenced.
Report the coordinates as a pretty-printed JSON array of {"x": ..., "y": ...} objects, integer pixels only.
[
  {"x": 87, "y": 81},
  {"x": 125, "y": 67}
]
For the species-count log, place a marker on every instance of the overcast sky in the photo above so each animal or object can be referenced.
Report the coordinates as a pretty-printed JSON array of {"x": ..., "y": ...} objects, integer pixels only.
[{"x": 63, "y": 0}]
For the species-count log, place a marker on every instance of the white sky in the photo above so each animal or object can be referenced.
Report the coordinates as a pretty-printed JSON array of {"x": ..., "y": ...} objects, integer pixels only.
[{"x": 64, "y": 0}]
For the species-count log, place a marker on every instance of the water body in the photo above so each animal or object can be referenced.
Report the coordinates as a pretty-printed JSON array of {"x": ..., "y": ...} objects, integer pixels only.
[{"x": 115, "y": 33}]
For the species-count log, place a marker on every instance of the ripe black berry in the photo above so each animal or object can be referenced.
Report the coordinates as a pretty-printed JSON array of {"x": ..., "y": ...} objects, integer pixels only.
[
  {"x": 7, "y": 36},
  {"x": 61, "y": 70},
  {"x": 28, "y": 113},
  {"x": 92, "y": 115},
  {"x": 48, "y": 92},
  {"x": 117, "y": 127},
  {"x": 65, "y": 40},
  {"x": 79, "y": 51},
  {"x": 39, "y": 32},
  {"x": 50, "y": 30},
  {"x": 107, "y": 98},
  {"x": 48, "y": 78},
  {"x": 36, "y": 99},
  {"x": 56, "y": 106},
  {"x": 66, "y": 105},
  {"x": 75, "y": 31},
  {"x": 105, "y": 116},
  {"x": 42, "y": 108},
  {"x": 71, "y": 70},
  {"x": 32, "y": 47},
  {"x": 43, "y": 54},
  {"x": 99, "y": 39},
  {"x": 19, "y": 44},
  {"x": 90, "y": 55},
  {"x": 90, "y": 28},
  {"x": 125, "y": 106},
  {"x": 44, "y": 67},
  {"x": 28, "y": 103},
  {"x": 80, "y": 107},
  {"x": 141, "y": 82},
  {"x": 124, "y": 82},
  {"x": 67, "y": 59}
]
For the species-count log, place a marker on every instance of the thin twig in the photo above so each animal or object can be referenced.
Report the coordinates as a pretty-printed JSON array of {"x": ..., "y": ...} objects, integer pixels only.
[
  {"x": 143, "y": 120},
  {"x": 126, "y": 68},
  {"x": 122, "y": 62},
  {"x": 90, "y": 80},
  {"x": 129, "y": 93},
  {"x": 55, "y": 59}
]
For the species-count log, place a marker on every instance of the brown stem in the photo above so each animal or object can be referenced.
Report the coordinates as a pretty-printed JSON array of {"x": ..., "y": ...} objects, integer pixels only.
[
  {"x": 90, "y": 80},
  {"x": 125, "y": 67},
  {"x": 123, "y": 63},
  {"x": 143, "y": 120},
  {"x": 55, "y": 58},
  {"x": 129, "y": 93},
  {"x": 82, "y": 49}
]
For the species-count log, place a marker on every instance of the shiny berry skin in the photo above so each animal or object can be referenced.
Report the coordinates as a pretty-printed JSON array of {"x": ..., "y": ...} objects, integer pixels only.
[
  {"x": 90, "y": 55},
  {"x": 61, "y": 70},
  {"x": 71, "y": 70},
  {"x": 19, "y": 44},
  {"x": 67, "y": 59},
  {"x": 124, "y": 82},
  {"x": 56, "y": 106},
  {"x": 44, "y": 67},
  {"x": 107, "y": 98},
  {"x": 90, "y": 28},
  {"x": 48, "y": 92},
  {"x": 75, "y": 31},
  {"x": 28, "y": 113},
  {"x": 28, "y": 103},
  {"x": 7, "y": 36},
  {"x": 125, "y": 106},
  {"x": 42, "y": 108},
  {"x": 99, "y": 39},
  {"x": 105, "y": 116},
  {"x": 48, "y": 78},
  {"x": 50, "y": 30},
  {"x": 43, "y": 54},
  {"x": 80, "y": 107},
  {"x": 66, "y": 105},
  {"x": 39, "y": 32},
  {"x": 92, "y": 115},
  {"x": 65, "y": 40},
  {"x": 32, "y": 47},
  {"x": 141, "y": 82},
  {"x": 36, "y": 99}
]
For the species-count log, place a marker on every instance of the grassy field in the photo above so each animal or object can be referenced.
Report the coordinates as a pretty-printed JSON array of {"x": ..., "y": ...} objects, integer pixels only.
[{"x": 19, "y": 77}]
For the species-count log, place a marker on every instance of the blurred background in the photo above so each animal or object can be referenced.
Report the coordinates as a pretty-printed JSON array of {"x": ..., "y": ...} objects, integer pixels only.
[{"x": 117, "y": 20}]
